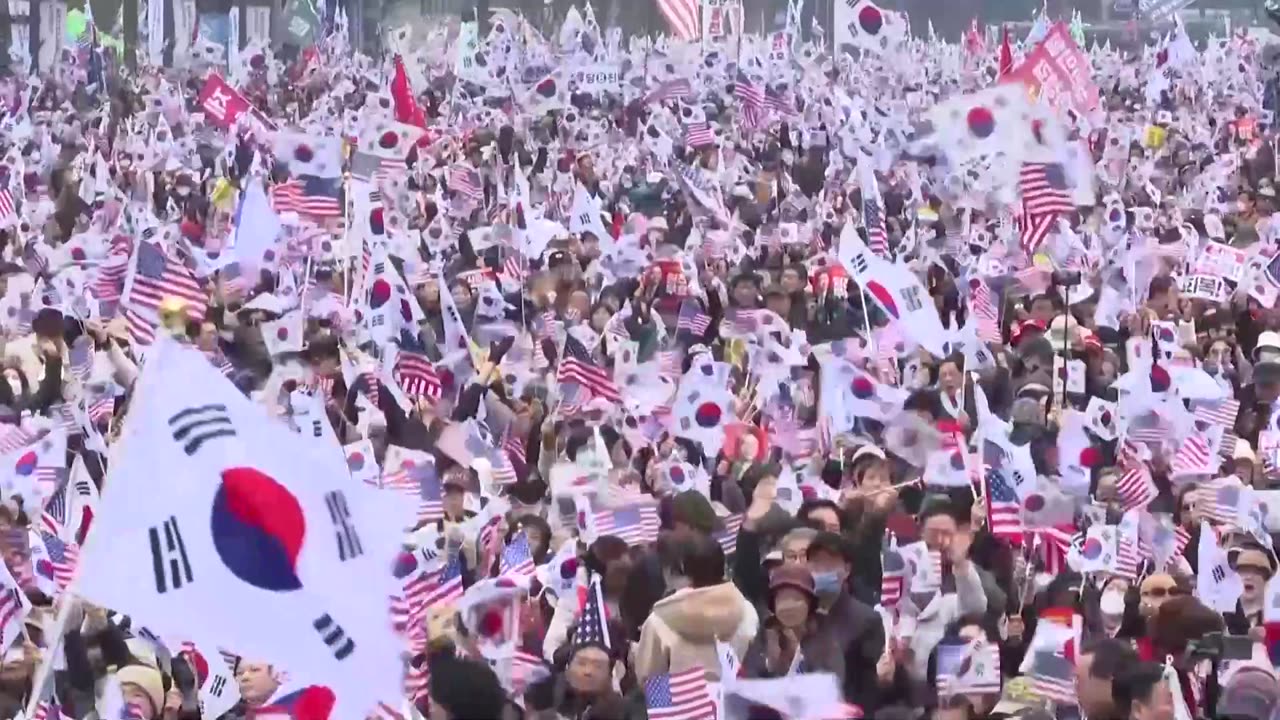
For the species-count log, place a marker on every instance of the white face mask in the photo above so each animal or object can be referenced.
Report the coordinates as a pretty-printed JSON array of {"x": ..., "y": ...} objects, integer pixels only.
[{"x": 1112, "y": 603}]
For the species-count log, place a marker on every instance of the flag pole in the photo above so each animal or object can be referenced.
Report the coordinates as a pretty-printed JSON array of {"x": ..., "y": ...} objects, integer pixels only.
[{"x": 45, "y": 668}]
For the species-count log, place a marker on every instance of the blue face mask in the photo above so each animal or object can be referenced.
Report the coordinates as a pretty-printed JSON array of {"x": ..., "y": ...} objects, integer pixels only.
[{"x": 826, "y": 583}]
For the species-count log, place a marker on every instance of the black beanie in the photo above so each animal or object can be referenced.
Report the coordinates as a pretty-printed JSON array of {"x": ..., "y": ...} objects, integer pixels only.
[{"x": 466, "y": 689}]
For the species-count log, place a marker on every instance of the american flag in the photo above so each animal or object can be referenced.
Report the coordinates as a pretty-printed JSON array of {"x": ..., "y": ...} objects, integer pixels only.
[
  {"x": 873, "y": 212},
  {"x": 80, "y": 359},
  {"x": 1194, "y": 457},
  {"x": 409, "y": 607},
  {"x": 728, "y": 536},
  {"x": 636, "y": 524},
  {"x": 1053, "y": 677},
  {"x": 698, "y": 135},
  {"x": 682, "y": 16},
  {"x": 448, "y": 586},
  {"x": 1055, "y": 543},
  {"x": 983, "y": 306},
  {"x": 526, "y": 669},
  {"x": 1219, "y": 500},
  {"x": 751, "y": 97},
  {"x": 1004, "y": 511},
  {"x": 1044, "y": 198},
  {"x": 8, "y": 210},
  {"x": 157, "y": 276},
  {"x": 513, "y": 447},
  {"x": 1129, "y": 559},
  {"x": 464, "y": 180},
  {"x": 517, "y": 560},
  {"x": 63, "y": 558},
  {"x": 16, "y": 437},
  {"x": 54, "y": 517},
  {"x": 1221, "y": 413},
  {"x": 417, "y": 680},
  {"x": 415, "y": 375},
  {"x": 430, "y": 491},
  {"x": 778, "y": 102},
  {"x": 679, "y": 696},
  {"x": 1136, "y": 488},
  {"x": 593, "y": 625},
  {"x": 671, "y": 89},
  {"x": 309, "y": 196},
  {"x": 692, "y": 319},
  {"x": 576, "y": 366}
]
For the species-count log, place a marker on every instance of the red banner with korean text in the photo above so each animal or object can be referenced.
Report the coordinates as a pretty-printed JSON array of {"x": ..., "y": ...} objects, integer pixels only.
[
  {"x": 223, "y": 105},
  {"x": 1058, "y": 71}
]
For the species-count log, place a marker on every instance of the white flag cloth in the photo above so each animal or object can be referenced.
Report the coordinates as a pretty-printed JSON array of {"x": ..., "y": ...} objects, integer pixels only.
[
  {"x": 222, "y": 520},
  {"x": 1217, "y": 585},
  {"x": 809, "y": 696}
]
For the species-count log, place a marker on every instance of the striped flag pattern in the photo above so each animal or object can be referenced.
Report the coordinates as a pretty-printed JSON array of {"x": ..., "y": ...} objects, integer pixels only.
[
  {"x": 308, "y": 196},
  {"x": 682, "y": 17},
  {"x": 576, "y": 366},
  {"x": 1044, "y": 198},
  {"x": 750, "y": 97},
  {"x": 155, "y": 277},
  {"x": 637, "y": 524},
  {"x": 679, "y": 696},
  {"x": 1004, "y": 510}
]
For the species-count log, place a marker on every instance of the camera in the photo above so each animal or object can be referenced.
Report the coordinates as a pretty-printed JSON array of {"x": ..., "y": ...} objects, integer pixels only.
[
  {"x": 1066, "y": 278},
  {"x": 1218, "y": 646}
]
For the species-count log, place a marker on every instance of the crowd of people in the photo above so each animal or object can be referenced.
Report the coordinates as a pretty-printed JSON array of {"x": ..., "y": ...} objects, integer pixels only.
[{"x": 724, "y": 378}]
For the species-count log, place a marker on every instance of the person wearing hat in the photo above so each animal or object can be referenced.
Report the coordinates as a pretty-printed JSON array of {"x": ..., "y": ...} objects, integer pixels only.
[
  {"x": 143, "y": 686},
  {"x": 1255, "y": 565},
  {"x": 1251, "y": 693},
  {"x": 789, "y": 642}
]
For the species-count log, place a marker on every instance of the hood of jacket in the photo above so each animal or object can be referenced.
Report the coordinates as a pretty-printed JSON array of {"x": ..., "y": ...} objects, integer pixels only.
[{"x": 703, "y": 614}]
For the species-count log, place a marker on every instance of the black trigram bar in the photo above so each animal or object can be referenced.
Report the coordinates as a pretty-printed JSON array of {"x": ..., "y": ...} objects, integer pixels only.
[
  {"x": 195, "y": 426},
  {"x": 217, "y": 686},
  {"x": 169, "y": 556},
  {"x": 334, "y": 636},
  {"x": 349, "y": 545}
]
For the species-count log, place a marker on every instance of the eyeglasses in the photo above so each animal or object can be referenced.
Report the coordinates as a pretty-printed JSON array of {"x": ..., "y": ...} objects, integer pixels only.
[{"x": 1160, "y": 592}]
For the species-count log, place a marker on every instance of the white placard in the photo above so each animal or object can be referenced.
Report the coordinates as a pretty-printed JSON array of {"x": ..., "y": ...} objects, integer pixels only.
[
  {"x": 1205, "y": 287},
  {"x": 258, "y": 26},
  {"x": 596, "y": 78},
  {"x": 1220, "y": 260}
]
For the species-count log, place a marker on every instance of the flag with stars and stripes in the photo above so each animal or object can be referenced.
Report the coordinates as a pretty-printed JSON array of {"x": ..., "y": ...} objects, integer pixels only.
[
  {"x": 727, "y": 536},
  {"x": 750, "y": 97},
  {"x": 679, "y": 696},
  {"x": 593, "y": 627},
  {"x": 62, "y": 558},
  {"x": 517, "y": 559},
  {"x": 872, "y": 208},
  {"x": 692, "y": 319},
  {"x": 1044, "y": 199},
  {"x": 576, "y": 366},
  {"x": 1004, "y": 510},
  {"x": 448, "y": 585}
]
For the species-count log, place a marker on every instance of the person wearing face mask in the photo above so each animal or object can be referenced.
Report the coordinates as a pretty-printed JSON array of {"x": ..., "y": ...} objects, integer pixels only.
[
  {"x": 789, "y": 642},
  {"x": 1112, "y": 603},
  {"x": 1256, "y": 566},
  {"x": 854, "y": 628}
]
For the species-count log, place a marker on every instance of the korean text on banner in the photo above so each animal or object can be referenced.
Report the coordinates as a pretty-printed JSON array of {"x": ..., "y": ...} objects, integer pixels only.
[
  {"x": 1058, "y": 71},
  {"x": 223, "y": 105}
]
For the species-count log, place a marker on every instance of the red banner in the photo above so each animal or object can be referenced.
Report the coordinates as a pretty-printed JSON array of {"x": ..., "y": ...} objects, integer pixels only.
[
  {"x": 223, "y": 105},
  {"x": 1058, "y": 71}
]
